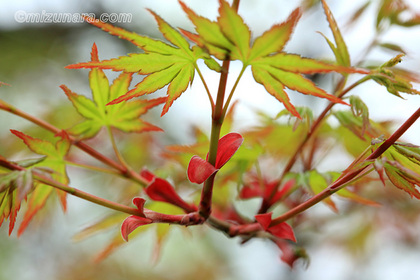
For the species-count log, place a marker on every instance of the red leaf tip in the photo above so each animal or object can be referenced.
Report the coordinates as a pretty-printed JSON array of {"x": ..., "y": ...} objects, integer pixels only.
[{"x": 94, "y": 54}]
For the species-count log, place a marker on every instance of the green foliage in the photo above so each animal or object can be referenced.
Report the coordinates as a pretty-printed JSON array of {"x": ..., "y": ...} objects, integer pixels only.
[
  {"x": 163, "y": 63},
  {"x": 401, "y": 163},
  {"x": 14, "y": 187},
  {"x": 54, "y": 160},
  {"x": 230, "y": 37},
  {"x": 122, "y": 116}
]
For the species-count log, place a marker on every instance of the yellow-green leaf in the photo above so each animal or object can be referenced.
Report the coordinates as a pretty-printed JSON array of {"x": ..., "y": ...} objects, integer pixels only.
[
  {"x": 211, "y": 36},
  {"x": 274, "y": 87},
  {"x": 109, "y": 221},
  {"x": 84, "y": 106},
  {"x": 297, "y": 64},
  {"x": 141, "y": 63},
  {"x": 55, "y": 161},
  {"x": 178, "y": 85},
  {"x": 143, "y": 42},
  {"x": 124, "y": 116},
  {"x": 151, "y": 83},
  {"x": 340, "y": 51},
  {"x": 235, "y": 30},
  {"x": 269, "y": 63},
  {"x": 317, "y": 183},
  {"x": 274, "y": 39},
  {"x": 161, "y": 63},
  {"x": 99, "y": 83},
  {"x": 171, "y": 34},
  {"x": 403, "y": 179},
  {"x": 297, "y": 82}
]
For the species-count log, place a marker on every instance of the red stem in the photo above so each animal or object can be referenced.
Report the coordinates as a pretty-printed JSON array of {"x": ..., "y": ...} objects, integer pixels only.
[{"x": 217, "y": 121}]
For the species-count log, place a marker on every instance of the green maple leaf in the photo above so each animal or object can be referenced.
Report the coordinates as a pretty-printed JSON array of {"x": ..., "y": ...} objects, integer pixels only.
[
  {"x": 317, "y": 182},
  {"x": 54, "y": 161},
  {"x": 340, "y": 51},
  {"x": 229, "y": 37},
  {"x": 395, "y": 80},
  {"x": 15, "y": 185},
  {"x": 123, "y": 116},
  {"x": 162, "y": 63},
  {"x": 401, "y": 163}
]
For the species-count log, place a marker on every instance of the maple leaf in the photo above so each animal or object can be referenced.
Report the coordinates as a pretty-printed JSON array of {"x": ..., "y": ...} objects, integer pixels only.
[
  {"x": 229, "y": 37},
  {"x": 54, "y": 160},
  {"x": 124, "y": 116},
  {"x": 340, "y": 51},
  {"x": 15, "y": 185},
  {"x": 390, "y": 13},
  {"x": 401, "y": 163},
  {"x": 162, "y": 63},
  {"x": 316, "y": 182},
  {"x": 395, "y": 80}
]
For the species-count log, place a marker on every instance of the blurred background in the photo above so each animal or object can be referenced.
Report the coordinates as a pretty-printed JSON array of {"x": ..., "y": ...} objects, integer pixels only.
[{"x": 32, "y": 61}]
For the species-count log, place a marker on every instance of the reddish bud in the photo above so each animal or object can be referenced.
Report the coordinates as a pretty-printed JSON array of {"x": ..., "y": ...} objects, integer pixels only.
[
  {"x": 290, "y": 254},
  {"x": 249, "y": 191},
  {"x": 263, "y": 188},
  {"x": 282, "y": 192},
  {"x": 199, "y": 170},
  {"x": 227, "y": 147},
  {"x": 146, "y": 174},
  {"x": 264, "y": 220},
  {"x": 282, "y": 230},
  {"x": 133, "y": 222},
  {"x": 162, "y": 190},
  {"x": 139, "y": 202}
]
